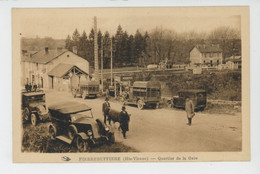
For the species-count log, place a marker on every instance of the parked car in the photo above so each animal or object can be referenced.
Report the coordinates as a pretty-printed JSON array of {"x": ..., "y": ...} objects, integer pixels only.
[
  {"x": 34, "y": 107},
  {"x": 86, "y": 89},
  {"x": 74, "y": 123},
  {"x": 198, "y": 97},
  {"x": 144, "y": 93}
]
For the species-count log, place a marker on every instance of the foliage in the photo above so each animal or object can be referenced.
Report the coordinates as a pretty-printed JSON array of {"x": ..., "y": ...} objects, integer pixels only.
[
  {"x": 218, "y": 85},
  {"x": 142, "y": 48}
]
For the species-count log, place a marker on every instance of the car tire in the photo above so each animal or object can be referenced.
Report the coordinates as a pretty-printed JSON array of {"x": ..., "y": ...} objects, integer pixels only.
[
  {"x": 140, "y": 104},
  {"x": 52, "y": 132},
  {"x": 72, "y": 131},
  {"x": 169, "y": 104},
  {"x": 82, "y": 145},
  {"x": 26, "y": 114},
  {"x": 34, "y": 120}
]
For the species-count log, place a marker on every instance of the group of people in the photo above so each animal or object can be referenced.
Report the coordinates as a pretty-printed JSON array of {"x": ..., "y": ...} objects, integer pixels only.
[
  {"x": 123, "y": 117},
  {"x": 30, "y": 87}
]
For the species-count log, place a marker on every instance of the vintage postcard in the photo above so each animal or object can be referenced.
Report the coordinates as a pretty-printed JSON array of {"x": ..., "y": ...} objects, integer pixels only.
[{"x": 168, "y": 84}]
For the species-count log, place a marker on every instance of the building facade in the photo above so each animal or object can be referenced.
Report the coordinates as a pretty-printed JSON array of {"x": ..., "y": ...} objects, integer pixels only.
[
  {"x": 206, "y": 55},
  {"x": 234, "y": 62},
  {"x": 36, "y": 67}
]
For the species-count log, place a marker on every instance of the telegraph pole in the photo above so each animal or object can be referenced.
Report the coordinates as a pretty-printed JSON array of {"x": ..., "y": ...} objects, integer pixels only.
[
  {"x": 102, "y": 83},
  {"x": 96, "y": 49}
]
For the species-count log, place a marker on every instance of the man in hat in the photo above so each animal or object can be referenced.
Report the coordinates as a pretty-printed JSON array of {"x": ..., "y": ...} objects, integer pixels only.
[
  {"x": 189, "y": 108},
  {"x": 105, "y": 110},
  {"x": 124, "y": 120}
]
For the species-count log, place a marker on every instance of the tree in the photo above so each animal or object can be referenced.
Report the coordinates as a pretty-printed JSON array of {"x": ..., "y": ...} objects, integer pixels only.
[
  {"x": 228, "y": 38},
  {"x": 107, "y": 46},
  {"x": 83, "y": 44},
  {"x": 162, "y": 43},
  {"x": 118, "y": 46},
  {"x": 76, "y": 37},
  {"x": 68, "y": 43}
]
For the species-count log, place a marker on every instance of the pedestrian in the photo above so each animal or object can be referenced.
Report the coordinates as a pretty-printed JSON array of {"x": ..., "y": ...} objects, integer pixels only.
[
  {"x": 124, "y": 121},
  {"x": 107, "y": 92},
  {"x": 189, "y": 108},
  {"x": 105, "y": 110}
]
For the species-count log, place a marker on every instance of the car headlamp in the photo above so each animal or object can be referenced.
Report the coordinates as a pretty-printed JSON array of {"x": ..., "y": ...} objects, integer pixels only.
[
  {"x": 107, "y": 128},
  {"x": 89, "y": 132}
]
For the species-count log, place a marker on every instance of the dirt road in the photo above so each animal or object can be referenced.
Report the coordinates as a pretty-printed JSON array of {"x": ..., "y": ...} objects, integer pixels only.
[{"x": 165, "y": 130}]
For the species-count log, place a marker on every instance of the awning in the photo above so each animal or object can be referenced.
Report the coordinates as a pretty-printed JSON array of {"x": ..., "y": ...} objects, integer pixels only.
[{"x": 63, "y": 70}]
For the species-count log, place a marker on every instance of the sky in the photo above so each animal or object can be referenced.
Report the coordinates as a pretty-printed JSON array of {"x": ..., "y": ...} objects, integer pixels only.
[{"x": 58, "y": 23}]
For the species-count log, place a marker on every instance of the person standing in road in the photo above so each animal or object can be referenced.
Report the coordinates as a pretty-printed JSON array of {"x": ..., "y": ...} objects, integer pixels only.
[
  {"x": 105, "y": 110},
  {"x": 124, "y": 121},
  {"x": 189, "y": 108}
]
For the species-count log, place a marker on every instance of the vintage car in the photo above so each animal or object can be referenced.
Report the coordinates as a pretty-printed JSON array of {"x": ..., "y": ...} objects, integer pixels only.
[
  {"x": 89, "y": 89},
  {"x": 198, "y": 97},
  {"x": 73, "y": 123},
  {"x": 33, "y": 107},
  {"x": 144, "y": 93}
]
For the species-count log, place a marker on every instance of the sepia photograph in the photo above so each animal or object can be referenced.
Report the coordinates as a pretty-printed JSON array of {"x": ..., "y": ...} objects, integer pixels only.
[{"x": 154, "y": 84}]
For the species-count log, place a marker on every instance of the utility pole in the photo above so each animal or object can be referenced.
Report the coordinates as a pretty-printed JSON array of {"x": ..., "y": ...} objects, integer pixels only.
[
  {"x": 96, "y": 49},
  {"x": 102, "y": 49}
]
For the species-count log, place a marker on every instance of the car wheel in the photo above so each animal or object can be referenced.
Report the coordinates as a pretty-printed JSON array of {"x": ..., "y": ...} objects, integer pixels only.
[
  {"x": 33, "y": 119},
  {"x": 169, "y": 104},
  {"x": 72, "y": 131},
  {"x": 52, "y": 132},
  {"x": 26, "y": 113},
  {"x": 140, "y": 104},
  {"x": 82, "y": 146}
]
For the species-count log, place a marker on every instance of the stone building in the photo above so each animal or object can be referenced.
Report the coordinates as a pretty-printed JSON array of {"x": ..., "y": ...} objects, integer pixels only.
[
  {"x": 206, "y": 55},
  {"x": 52, "y": 68}
]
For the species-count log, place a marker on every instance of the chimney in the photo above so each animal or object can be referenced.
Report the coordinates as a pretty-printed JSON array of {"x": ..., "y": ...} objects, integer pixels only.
[
  {"x": 74, "y": 49},
  {"x": 46, "y": 50}
]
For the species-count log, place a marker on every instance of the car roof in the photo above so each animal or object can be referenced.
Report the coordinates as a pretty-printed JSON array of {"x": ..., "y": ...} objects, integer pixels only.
[
  {"x": 69, "y": 107},
  {"x": 147, "y": 84},
  {"x": 192, "y": 90},
  {"x": 33, "y": 93}
]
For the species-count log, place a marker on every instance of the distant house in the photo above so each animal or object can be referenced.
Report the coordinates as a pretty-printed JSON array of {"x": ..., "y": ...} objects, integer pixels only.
[
  {"x": 233, "y": 62},
  {"x": 206, "y": 55},
  {"x": 52, "y": 68}
]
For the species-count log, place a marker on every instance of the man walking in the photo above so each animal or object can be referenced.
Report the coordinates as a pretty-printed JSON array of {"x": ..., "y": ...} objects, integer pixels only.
[
  {"x": 189, "y": 108},
  {"x": 124, "y": 120},
  {"x": 105, "y": 110}
]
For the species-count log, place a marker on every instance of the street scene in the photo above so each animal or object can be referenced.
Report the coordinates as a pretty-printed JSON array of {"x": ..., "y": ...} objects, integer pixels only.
[{"x": 103, "y": 85}]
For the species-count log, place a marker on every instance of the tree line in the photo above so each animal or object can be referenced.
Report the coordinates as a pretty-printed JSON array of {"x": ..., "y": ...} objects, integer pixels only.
[
  {"x": 141, "y": 48},
  {"x": 144, "y": 48}
]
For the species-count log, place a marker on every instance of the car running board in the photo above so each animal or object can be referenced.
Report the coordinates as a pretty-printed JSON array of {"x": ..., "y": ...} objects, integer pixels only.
[{"x": 65, "y": 139}]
